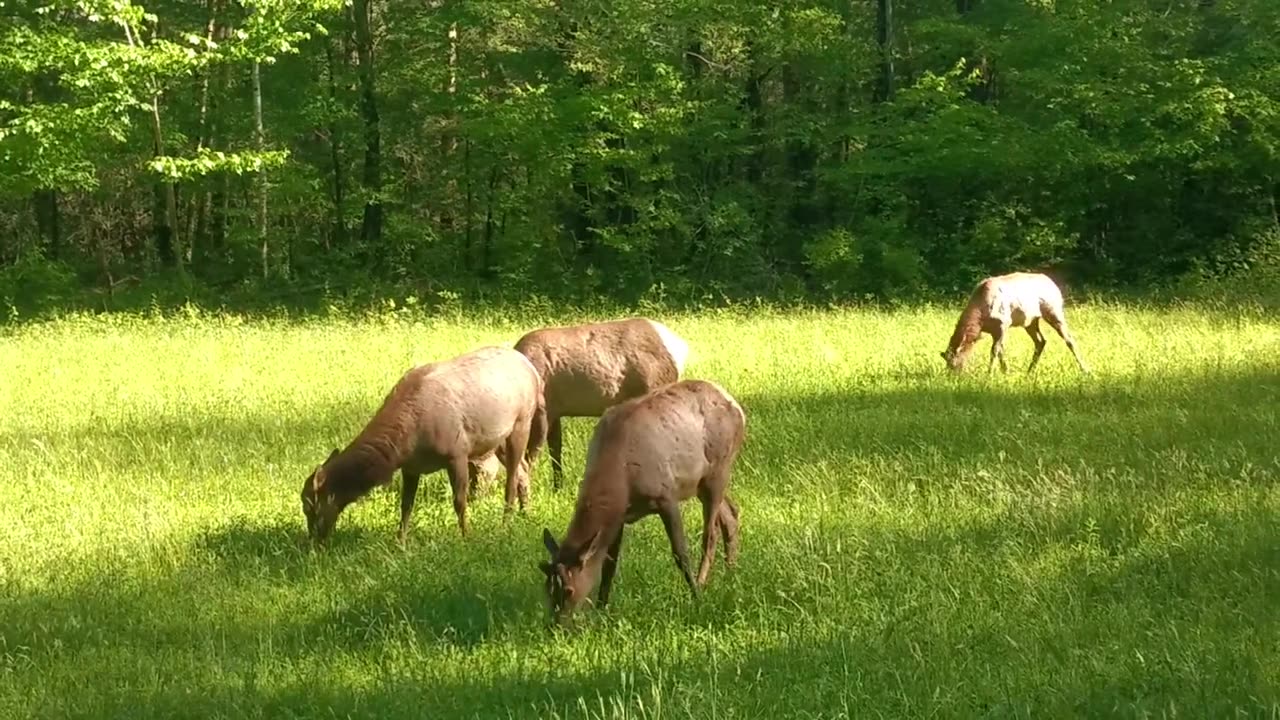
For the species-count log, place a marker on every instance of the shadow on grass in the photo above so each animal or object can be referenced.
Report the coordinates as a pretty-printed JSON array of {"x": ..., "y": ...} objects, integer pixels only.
[
  {"x": 933, "y": 427},
  {"x": 282, "y": 547},
  {"x": 1033, "y": 616},
  {"x": 176, "y": 295},
  {"x": 253, "y": 694},
  {"x": 1020, "y": 423}
]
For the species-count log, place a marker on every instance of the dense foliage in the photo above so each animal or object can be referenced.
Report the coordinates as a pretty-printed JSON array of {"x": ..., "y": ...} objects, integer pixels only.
[{"x": 687, "y": 148}]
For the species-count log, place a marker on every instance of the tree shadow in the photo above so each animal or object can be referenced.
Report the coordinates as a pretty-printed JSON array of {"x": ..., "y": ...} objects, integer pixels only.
[
  {"x": 1018, "y": 423},
  {"x": 196, "y": 444},
  {"x": 534, "y": 693},
  {"x": 281, "y": 548},
  {"x": 172, "y": 294},
  {"x": 1028, "y": 613},
  {"x": 1112, "y": 602},
  {"x": 1134, "y": 637}
]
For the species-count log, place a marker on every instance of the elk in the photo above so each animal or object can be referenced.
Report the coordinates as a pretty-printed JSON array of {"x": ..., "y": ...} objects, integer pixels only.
[
  {"x": 447, "y": 415},
  {"x": 586, "y": 369},
  {"x": 1007, "y": 301},
  {"x": 646, "y": 456}
]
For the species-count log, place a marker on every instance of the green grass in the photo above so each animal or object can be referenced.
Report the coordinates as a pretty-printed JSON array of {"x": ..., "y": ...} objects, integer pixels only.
[{"x": 913, "y": 544}]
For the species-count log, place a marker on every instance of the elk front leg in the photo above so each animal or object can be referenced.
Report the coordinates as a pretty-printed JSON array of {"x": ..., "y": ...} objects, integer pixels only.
[
  {"x": 610, "y": 567},
  {"x": 408, "y": 493},
  {"x": 555, "y": 444},
  {"x": 669, "y": 510},
  {"x": 997, "y": 349}
]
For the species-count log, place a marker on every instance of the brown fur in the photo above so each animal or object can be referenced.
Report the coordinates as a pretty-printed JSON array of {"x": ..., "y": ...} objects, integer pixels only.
[
  {"x": 647, "y": 455},
  {"x": 586, "y": 369},
  {"x": 443, "y": 415},
  {"x": 1007, "y": 301}
]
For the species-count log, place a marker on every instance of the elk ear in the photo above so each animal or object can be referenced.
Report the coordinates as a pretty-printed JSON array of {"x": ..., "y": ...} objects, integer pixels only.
[
  {"x": 332, "y": 455},
  {"x": 588, "y": 548},
  {"x": 549, "y": 542},
  {"x": 317, "y": 478},
  {"x": 547, "y": 568}
]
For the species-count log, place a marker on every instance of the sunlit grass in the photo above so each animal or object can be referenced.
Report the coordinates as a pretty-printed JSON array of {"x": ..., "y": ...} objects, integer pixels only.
[{"x": 913, "y": 543}]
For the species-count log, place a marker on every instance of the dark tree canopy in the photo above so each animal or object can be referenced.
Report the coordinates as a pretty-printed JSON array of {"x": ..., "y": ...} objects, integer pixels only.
[{"x": 826, "y": 149}]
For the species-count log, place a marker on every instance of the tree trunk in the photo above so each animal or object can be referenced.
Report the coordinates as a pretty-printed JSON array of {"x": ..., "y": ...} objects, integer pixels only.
[
  {"x": 449, "y": 139},
  {"x": 166, "y": 201},
  {"x": 165, "y": 210},
  {"x": 338, "y": 231},
  {"x": 259, "y": 141},
  {"x": 197, "y": 207},
  {"x": 487, "y": 270},
  {"x": 801, "y": 165},
  {"x": 468, "y": 208},
  {"x": 575, "y": 211},
  {"x": 45, "y": 200},
  {"x": 707, "y": 177},
  {"x": 371, "y": 228},
  {"x": 884, "y": 37},
  {"x": 49, "y": 220},
  {"x": 843, "y": 91},
  {"x": 216, "y": 200},
  {"x": 753, "y": 108}
]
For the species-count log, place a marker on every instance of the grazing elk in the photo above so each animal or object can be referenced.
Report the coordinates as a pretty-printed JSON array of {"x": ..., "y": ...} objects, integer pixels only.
[
  {"x": 586, "y": 369},
  {"x": 1008, "y": 301},
  {"x": 445, "y": 415},
  {"x": 647, "y": 455}
]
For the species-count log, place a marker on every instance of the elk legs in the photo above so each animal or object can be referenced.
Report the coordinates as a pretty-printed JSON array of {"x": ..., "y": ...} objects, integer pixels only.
[
  {"x": 408, "y": 493},
  {"x": 728, "y": 519},
  {"x": 1037, "y": 337},
  {"x": 460, "y": 480},
  {"x": 555, "y": 440},
  {"x": 610, "y": 567},
  {"x": 517, "y": 480},
  {"x": 670, "y": 512},
  {"x": 997, "y": 349}
]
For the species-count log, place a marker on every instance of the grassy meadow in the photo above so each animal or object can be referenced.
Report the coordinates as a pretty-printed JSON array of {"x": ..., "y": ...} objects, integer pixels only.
[{"x": 914, "y": 544}]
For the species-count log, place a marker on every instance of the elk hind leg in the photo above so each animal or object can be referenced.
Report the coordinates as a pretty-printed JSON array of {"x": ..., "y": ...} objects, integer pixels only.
[
  {"x": 517, "y": 476},
  {"x": 712, "y": 500},
  {"x": 460, "y": 481},
  {"x": 728, "y": 519},
  {"x": 1059, "y": 324},
  {"x": 537, "y": 435}
]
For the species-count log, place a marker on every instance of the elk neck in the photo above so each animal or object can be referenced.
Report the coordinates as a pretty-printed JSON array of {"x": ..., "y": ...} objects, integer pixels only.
[{"x": 358, "y": 469}]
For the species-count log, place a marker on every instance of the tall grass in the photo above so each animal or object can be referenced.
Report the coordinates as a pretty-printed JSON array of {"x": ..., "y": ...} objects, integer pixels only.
[{"x": 913, "y": 544}]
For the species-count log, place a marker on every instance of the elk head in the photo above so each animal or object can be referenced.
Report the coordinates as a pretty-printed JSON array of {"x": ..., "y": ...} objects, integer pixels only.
[
  {"x": 319, "y": 506},
  {"x": 955, "y": 357},
  {"x": 569, "y": 576}
]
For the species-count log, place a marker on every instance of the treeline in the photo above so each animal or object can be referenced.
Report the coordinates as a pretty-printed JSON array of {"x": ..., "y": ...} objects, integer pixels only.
[{"x": 575, "y": 148}]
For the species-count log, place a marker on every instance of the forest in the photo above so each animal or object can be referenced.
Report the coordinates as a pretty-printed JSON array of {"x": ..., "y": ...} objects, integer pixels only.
[
  {"x": 695, "y": 150},
  {"x": 230, "y": 228}
]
